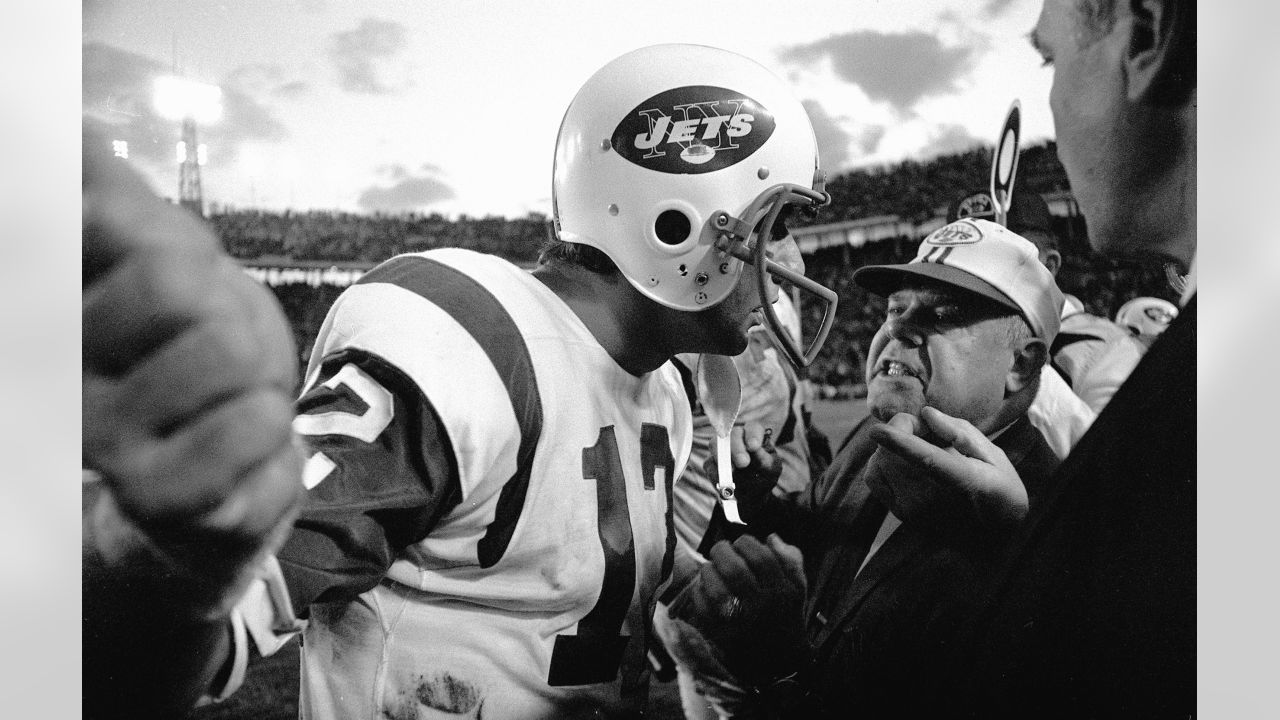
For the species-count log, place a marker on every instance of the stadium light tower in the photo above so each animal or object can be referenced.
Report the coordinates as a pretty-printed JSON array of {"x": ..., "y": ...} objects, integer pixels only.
[{"x": 191, "y": 103}]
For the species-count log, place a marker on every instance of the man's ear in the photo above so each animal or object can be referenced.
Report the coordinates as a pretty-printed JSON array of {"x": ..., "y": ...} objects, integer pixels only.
[
  {"x": 1160, "y": 57},
  {"x": 1027, "y": 361}
]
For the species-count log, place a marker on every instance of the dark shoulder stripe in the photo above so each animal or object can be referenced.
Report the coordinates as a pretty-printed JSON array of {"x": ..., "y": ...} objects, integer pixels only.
[
  {"x": 476, "y": 309},
  {"x": 1064, "y": 339}
]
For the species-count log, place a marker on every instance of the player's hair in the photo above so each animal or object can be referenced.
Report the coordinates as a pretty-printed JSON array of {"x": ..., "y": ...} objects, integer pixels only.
[
  {"x": 556, "y": 250},
  {"x": 1097, "y": 17}
]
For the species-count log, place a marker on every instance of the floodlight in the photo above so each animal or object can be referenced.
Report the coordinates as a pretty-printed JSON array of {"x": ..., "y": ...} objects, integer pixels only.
[{"x": 177, "y": 98}]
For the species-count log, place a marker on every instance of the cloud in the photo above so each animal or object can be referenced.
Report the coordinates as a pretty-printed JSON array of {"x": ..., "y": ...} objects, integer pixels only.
[
  {"x": 996, "y": 7},
  {"x": 949, "y": 139},
  {"x": 262, "y": 79},
  {"x": 364, "y": 57},
  {"x": 292, "y": 89},
  {"x": 869, "y": 139},
  {"x": 117, "y": 88},
  {"x": 410, "y": 193},
  {"x": 833, "y": 140},
  {"x": 898, "y": 68},
  {"x": 394, "y": 171}
]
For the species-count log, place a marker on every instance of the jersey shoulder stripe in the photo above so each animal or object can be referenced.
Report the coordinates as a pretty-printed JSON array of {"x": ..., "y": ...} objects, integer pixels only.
[{"x": 484, "y": 318}]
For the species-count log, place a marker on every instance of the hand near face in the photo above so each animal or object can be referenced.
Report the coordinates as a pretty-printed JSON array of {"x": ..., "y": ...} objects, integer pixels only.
[
  {"x": 756, "y": 465},
  {"x": 748, "y": 601},
  {"x": 943, "y": 469},
  {"x": 188, "y": 376}
]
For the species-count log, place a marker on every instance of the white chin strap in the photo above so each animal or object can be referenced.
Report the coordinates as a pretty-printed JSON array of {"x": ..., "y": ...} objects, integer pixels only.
[{"x": 720, "y": 392}]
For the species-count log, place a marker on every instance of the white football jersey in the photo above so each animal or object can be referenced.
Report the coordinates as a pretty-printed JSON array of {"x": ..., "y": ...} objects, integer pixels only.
[{"x": 489, "y": 514}]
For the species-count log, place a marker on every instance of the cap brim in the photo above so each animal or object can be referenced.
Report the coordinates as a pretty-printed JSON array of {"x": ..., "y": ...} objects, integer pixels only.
[{"x": 886, "y": 279}]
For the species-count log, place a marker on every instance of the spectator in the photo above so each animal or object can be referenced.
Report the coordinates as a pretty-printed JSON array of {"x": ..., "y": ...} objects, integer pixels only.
[
  {"x": 1094, "y": 612},
  {"x": 967, "y": 331},
  {"x": 1093, "y": 354}
]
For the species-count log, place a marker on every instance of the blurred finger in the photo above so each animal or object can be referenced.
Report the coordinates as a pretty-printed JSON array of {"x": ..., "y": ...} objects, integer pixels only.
[
  {"x": 790, "y": 559},
  {"x": 753, "y": 436},
  {"x": 963, "y": 436},
  {"x": 762, "y": 561},
  {"x": 738, "y": 447},
  {"x": 711, "y": 594},
  {"x": 732, "y": 567},
  {"x": 215, "y": 361},
  {"x": 927, "y": 456},
  {"x": 907, "y": 423},
  {"x": 194, "y": 468}
]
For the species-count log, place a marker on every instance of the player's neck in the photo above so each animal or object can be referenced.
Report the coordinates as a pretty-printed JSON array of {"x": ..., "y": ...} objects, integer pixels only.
[{"x": 617, "y": 316}]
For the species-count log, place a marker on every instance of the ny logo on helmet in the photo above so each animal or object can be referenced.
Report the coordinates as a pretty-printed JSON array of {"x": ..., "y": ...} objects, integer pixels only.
[{"x": 691, "y": 130}]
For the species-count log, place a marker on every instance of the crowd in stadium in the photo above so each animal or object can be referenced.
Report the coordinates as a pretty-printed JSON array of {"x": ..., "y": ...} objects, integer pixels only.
[{"x": 911, "y": 189}]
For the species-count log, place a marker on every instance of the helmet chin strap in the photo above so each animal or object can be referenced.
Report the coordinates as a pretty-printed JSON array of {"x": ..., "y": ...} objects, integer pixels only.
[{"x": 734, "y": 239}]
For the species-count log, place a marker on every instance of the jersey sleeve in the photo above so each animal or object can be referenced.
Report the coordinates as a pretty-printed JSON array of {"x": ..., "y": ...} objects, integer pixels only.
[{"x": 381, "y": 474}]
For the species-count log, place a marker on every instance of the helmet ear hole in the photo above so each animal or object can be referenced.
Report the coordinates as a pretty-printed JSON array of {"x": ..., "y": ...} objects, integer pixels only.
[{"x": 672, "y": 227}]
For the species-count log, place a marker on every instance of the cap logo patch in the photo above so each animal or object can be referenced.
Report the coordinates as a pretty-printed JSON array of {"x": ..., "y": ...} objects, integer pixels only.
[
  {"x": 693, "y": 130},
  {"x": 960, "y": 232}
]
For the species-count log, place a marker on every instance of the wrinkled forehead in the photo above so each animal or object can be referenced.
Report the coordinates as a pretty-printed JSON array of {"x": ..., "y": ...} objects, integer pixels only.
[
  {"x": 928, "y": 290},
  {"x": 933, "y": 293}
]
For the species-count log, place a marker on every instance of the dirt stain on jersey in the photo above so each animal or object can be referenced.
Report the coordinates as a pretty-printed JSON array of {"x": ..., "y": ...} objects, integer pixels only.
[{"x": 437, "y": 697}]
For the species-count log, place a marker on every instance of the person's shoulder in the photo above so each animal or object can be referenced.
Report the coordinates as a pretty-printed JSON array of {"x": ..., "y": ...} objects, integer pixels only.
[{"x": 1085, "y": 323}]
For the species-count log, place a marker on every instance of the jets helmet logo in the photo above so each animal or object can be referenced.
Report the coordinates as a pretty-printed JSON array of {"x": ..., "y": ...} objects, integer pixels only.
[
  {"x": 977, "y": 205},
  {"x": 693, "y": 130}
]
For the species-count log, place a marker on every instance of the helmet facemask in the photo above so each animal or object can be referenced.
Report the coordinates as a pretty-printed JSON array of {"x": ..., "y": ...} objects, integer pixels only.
[{"x": 734, "y": 238}]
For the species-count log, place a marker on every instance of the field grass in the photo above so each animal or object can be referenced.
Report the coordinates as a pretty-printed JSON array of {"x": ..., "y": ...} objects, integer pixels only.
[{"x": 837, "y": 417}]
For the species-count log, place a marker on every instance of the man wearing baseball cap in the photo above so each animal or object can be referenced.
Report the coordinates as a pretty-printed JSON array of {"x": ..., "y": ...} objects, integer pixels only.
[
  {"x": 967, "y": 330},
  {"x": 1093, "y": 354}
]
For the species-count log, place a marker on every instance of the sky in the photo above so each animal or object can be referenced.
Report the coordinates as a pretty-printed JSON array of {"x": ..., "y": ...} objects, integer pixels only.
[
  {"x": 460, "y": 51},
  {"x": 452, "y": 106}
]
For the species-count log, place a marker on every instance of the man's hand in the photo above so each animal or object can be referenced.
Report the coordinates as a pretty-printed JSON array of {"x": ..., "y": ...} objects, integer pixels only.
[
  {"x": 943, "y": 469},
  {"x": 756, "y": 465},
  {"x": 188, "y": 375},
  {"x": 748, "y": 601}
]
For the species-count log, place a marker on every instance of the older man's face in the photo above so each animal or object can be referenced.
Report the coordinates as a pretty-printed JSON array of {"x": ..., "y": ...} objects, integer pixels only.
[{"x": 943, "y": 347}]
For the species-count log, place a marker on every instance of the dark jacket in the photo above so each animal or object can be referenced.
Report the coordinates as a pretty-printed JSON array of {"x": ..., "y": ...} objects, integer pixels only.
[
  {"x": 1094, "y": 614},
  {"x": 879, "y": 638}
]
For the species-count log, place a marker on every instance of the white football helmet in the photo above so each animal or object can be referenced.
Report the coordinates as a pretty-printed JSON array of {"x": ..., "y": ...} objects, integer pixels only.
[
  {"x": 1146, "y": 316},
  {"x": 672, "y": 159}
]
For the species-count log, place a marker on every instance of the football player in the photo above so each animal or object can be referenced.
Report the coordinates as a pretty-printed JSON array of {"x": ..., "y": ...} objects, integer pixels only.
[{"x": 491, "y": 453}]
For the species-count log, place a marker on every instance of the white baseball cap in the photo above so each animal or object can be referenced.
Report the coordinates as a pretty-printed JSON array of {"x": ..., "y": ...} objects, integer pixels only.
[{"x": 985, "y": 258}]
